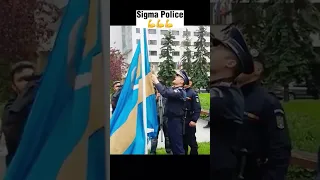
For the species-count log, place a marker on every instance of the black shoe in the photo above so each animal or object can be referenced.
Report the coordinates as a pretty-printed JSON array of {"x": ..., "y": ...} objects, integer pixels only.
[{"x": 207, "y": 126}]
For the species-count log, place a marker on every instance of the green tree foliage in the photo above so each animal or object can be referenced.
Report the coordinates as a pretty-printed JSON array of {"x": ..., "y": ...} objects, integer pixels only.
[
  {"x": 200, "y": 65},
  {"x": 167, "y": 67},
  {"x": 187, "y": 56}
]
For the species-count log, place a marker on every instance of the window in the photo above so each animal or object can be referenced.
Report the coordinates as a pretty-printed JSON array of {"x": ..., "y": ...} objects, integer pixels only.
[
  {"x": 153, "y": 53},
  {"x": 175, "y": 33},
  {"x": 185, "y": 43},
  {"x": 196, "y": 33},
  {"x": 138, "y": 30},
  {"x": 162, "y": 41},
  {"x": 176, "y": 43},
  {"x": 187, "y": 53},
  {"x": 195, "y": 43},
  {"x": 164, "y": 32},
  {"x": 155, "y": 66},
  {"x": 207, "y": 34},
  {"x": 137, "y": 40},
  {"x": 176, "y": 53},
  {"x": 207, "y": 44},
  {"x": 152, "y": 31},
  {"x": 152, "y": 42},
  {"x": 185, "y": 33}
]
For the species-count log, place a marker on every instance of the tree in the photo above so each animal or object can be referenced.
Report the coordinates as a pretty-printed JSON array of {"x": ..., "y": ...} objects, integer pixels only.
[
  {"x": 168, "y": 65},
  {"x": 24, "y": 27},
  {"x": 284, "y": 45},
  {"x": 200, "y": 65},
  {"x": 186, "y": 56},
  {"x": 118, "y": 66}
]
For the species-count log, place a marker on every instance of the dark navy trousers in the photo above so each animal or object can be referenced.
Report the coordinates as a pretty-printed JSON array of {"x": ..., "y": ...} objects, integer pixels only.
[{"x": 175, "y": 133}]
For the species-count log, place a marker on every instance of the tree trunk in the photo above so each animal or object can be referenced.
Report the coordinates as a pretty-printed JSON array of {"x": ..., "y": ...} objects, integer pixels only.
[{"x": 286, "y": 93}]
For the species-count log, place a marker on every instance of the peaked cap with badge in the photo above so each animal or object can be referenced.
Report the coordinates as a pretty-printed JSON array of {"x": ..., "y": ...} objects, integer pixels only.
[
  {"x": 184, "y": 76},
  {"x": 236, "y": 43}
]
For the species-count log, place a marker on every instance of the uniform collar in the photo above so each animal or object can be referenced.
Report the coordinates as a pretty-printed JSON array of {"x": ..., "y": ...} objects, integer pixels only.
[{"x": 218, "y": 81}]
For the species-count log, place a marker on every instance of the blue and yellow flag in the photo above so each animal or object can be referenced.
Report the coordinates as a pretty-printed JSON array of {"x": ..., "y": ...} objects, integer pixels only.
[
  {"x": 127, "y": 131},
  {"x": 64, "y": 137}
]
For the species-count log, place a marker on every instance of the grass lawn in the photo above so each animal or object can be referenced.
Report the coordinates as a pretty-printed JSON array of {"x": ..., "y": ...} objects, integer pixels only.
[
  {"x": 303, "y": 118},
  {"x": 205, "y": 100},
  {"x": 204, "y": 149}
]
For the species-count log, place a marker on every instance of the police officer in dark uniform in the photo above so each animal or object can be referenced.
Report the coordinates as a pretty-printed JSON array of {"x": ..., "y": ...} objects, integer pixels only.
[
  {"x": 115, "y": 96},
  {"x": 174, "y": 109},
  {"x": 162, "y": 126},
  {"x": 193, "y": 109},
  {"x": 229, "y": 58},
  {"x": 264, "y": 139},
  {"x": 24, "y": 84}
]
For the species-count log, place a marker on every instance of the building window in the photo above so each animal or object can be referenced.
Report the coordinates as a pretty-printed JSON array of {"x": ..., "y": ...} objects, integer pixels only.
[
  {"x": 137, "y": 40},
  {"x": 185, "y": 33},
  {"x": 195, "y": 43},
  {"x": 164, "y": 32},
  {"x": 138, "y": 30},
  {"x": 162, "y": 41},
  {"x": 196, "y": 33},
  {"x": 176, "y": 43},
  {"x": 175, "y": 33},
  {"x": 155, "y": 66},
  {"x": 207, "y": 34},
  {"x": 153, "y": 53},
  {"x": 152, "y": 31},
  {"x": 152, "y": 42},
  {"x": 176, "y": 53}
]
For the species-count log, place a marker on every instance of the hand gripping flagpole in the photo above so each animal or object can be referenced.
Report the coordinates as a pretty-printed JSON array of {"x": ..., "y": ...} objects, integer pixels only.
[{"x": 144, "y": 105}]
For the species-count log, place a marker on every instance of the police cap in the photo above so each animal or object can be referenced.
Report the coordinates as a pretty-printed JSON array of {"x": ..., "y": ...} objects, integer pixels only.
[
  {"x": 236, "y": 43},
  {"x": 184, "y": 76}
]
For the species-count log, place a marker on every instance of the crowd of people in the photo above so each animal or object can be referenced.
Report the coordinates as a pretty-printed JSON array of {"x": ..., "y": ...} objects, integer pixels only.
[{"x": 181, "y": 110}]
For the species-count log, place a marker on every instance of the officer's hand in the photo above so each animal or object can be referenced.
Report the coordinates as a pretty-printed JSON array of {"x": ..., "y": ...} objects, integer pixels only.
[
  {"x": 192, "y": 124},
  {"x": 154, "y": 79}
]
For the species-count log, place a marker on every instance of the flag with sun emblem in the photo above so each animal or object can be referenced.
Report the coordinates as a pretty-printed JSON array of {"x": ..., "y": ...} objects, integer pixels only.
[{"x": 64, "y": 136}]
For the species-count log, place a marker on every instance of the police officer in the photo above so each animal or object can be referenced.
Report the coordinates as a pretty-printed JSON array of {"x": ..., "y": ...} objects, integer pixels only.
[
  {"x": 162, "y": 126},
  {"x": 115, "y": 96},
  {"x": 17, "y": 109},
  {"x": 174, "y": 109},
  {"x": 229, "y": 58},
  {"x": 193, "y": 109},
  {"x": 264, "y": 138}
]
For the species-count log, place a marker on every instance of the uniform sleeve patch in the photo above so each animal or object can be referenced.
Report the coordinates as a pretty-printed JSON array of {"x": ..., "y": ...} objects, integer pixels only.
[
  {"x": 280, "y": 122},
  {"x": 197, "y": 99}
]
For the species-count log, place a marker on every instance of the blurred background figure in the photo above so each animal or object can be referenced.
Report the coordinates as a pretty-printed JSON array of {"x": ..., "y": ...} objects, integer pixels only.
[{"x": 116, "y": 94}]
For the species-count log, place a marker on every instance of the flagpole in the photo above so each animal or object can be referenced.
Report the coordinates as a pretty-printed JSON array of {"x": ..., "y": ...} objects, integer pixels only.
[{"x": 144, "y": 105}]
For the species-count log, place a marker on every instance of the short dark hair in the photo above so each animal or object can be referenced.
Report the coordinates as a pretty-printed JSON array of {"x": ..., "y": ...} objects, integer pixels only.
[{"x": 20, "y": 66}]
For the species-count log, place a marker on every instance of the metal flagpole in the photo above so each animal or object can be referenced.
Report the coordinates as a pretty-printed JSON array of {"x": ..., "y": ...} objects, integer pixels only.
[
  {"x": 105, "y": 35},
  {"x": 144, "y": 105}
]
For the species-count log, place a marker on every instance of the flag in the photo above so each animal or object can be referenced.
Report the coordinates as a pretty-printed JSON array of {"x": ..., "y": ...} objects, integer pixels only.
[
  {"x": 64, "y": 136},
  {"x": 127, "y": 128}
]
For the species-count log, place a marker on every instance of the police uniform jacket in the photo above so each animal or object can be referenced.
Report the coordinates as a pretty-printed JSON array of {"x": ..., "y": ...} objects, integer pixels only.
[
  {"x": 175, "y": 100},
  {"x": 15, "y": 115},
  {"x": 264, "y": 134},
  {"x": 114, "y": 99},
  {"x": 193, "y": 105},
  {"x": 226, "y": 113}
]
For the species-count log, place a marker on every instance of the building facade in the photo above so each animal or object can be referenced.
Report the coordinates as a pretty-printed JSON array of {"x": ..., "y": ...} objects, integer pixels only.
[{"x": 130, "y": 36}]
